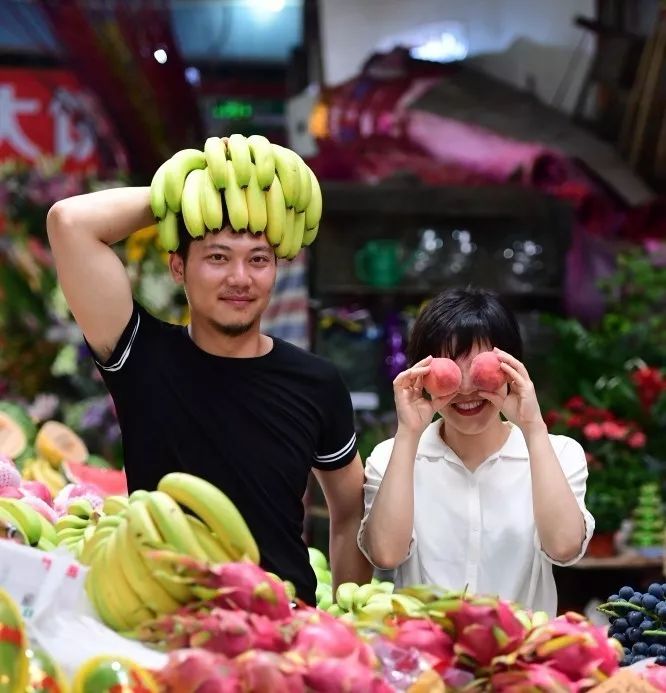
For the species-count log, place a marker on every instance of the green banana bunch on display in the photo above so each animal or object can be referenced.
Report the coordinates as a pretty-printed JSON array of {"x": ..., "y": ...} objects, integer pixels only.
[
  {"x": 264, "y": 187},
  {"x": 186, "y": 515},
  {"x": 32, "y": 528}
]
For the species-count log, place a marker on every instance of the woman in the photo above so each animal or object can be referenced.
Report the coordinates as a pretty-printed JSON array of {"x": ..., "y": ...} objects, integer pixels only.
[{"x": 472, "y": 500}]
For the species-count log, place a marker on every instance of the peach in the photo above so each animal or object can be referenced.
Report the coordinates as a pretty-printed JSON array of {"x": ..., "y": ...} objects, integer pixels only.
[
  {"x": 443, "y": 379},
  {"x": 485, "y": 372}
]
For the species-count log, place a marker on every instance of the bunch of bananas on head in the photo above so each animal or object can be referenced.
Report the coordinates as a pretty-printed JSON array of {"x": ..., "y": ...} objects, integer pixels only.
[{"x": 266, "y": 189}]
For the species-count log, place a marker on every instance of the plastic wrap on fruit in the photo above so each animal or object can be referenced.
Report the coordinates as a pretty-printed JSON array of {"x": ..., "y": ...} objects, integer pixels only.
[{"x": 401, "y": 667}]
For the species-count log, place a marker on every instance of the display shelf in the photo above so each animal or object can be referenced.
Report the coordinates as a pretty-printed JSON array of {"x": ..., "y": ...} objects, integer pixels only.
[{"x": 632, "y": 561}]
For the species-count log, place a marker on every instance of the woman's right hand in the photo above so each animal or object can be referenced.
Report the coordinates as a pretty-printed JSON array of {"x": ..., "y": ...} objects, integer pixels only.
[{"x": 414, "y": 411}]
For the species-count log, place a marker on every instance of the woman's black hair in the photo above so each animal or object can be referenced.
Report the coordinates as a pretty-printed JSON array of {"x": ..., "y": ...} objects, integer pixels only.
[{"x": 457, "y": 319}]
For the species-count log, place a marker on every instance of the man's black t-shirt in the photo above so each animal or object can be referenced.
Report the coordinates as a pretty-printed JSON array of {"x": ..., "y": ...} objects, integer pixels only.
[{"x": 254, "y": 427}]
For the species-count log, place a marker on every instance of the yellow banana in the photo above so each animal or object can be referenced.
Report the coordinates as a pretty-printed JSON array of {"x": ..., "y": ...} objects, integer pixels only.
[
  {"x": 45, "y": 544},
  {"x": 276, "y": 213},
  {"x": 264, "y": 163},
  {"x": 216, "y": 159},
  {"x": 208, "y": 542},
  {"x": 115, "y": 505},
  {"x": 238, "y": 152},
  {"x": 299, "y": 230},
  {"x": 8, "y": 519},
  {"x": 48, "y": 530},
  {"x": 94, "y": 591},
  {"x": 314, "y": 209},
  {"x": 288, "y": 237},
  {"x": 81, "y": 507},
  {"x": 144, "y": 535},
  {"x": 236, "y": 203},
  {"x": 69, "y": 534},
  {"x": 93, "y": 545},
  {"x": 177, "y": 169},
  {"x": 51, "y": 478},
  {"x": 158, "y": 203},
  {"x": 110, "y": 520},
  {"x": 70, "y": 522},
  {"x": 211, "y": 203},
  {"x": 172, "y": 525},
  {"x": 191, "y": 203},
  {"x": 304, "y": 185},
  {"x": 286, "y": 167},
  {"x": 132, "y": 564},
  {"x": 256, "y": 205},
  {"x": 309, "y": 235},
  {"x": 167, "y": 230},
  {"x": 139, "y": 494},
  {"x": 26, "y": 518},
  {"x": 215, "y": 509}
]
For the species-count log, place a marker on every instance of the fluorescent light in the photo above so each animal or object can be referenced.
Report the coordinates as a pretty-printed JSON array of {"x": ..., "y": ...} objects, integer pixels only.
[
  {"x": 160, "y": 55},
  {"x": 267, "y": 5}
]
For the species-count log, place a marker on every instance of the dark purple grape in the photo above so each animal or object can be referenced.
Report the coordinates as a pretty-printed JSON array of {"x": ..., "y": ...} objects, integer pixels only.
[
  {"x": 637, "y": 599},
  {"x": 626, "y": 593},
  {"x": 656, "y": 590},
  {"x": 635, "y": 618},
  {"x": 657, "y": 651},
  {"x": 620, "y": 625},
  {"x": 614, "y": 598},
  {"x": 661, "y": 611},
  {"x": 621, "y": 638},
  {"x": 638, "y": 658},
  {"x": 661, "y": 661},
  {"x": 639, "y": 648},
  {"x": 647, "y": 624},
  {"x": 634, "y": 634},
  {"x": 650, "y": 602}
]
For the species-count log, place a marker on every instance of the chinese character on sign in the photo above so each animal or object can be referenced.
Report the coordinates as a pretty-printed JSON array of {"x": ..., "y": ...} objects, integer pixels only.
[
  {"x": 73, "y": 135},
  {"x": 11, "y": 108}
]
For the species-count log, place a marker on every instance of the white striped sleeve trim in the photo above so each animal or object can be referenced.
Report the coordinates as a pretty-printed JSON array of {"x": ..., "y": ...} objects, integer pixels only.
[
  {"x": 121, "y": 361},
  {"x": 335, "y": 456}
]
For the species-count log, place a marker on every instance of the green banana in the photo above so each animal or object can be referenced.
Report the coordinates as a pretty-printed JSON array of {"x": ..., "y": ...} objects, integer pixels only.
[
  {"x": 314, "y": 209},
  {"x": 69, "y": 534},
  {"x": 172, "y": 524},
  {"x": 215, "y": 509},
  {"x": 191, "y": 203},
  {"x": 276, "y": 213},
  {"x": 13, "y": 529},
  {"x": 70, "y": 522},
  {"x": 26, "y": 518},
  {"x": 344, "y": 595},
  {"x": 297, "y": 240},
  {"x": 286, "y": 167},
  {"x": 45, "y": 544},
  {"x": 158, "y": 203},
  {"x": 115, "y": 505},
  {"x": 167, "y": 229},
  {"x": 256, "y": 205},
  {"x": 211, "y": 203},
  {"x": 180, "y": 164},
  {"x": 216, "y": 159},
  {"x": 238, "y": 152},
  {"x": 235, "y": 199},
  {"x": 264, "y": 163},
  {"x": 309, "y": 235},
  {"x": 81, "y": 507},
  {"x": 304, "y": 185},
  {"x": 48, "y": 530},
  {"x": 288, "y": 237},
  {"x": 110, "y": 520}
]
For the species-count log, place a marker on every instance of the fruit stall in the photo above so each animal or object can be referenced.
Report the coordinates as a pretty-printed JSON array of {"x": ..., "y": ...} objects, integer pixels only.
[{"x": 161, "y": 591}]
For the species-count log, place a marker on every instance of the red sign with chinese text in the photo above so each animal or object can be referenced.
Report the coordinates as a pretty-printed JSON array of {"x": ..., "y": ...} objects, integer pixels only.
[{"x": 48, "y": 113}]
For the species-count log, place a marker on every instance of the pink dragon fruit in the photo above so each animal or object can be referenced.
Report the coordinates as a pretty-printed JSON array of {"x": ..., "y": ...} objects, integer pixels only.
[
  {"x": 425, "y": 636},
  {"x": 44, "y": 509},
  {"x": 11, "y": 492},
  {"x": 198, "y": 671},
  {"x": 343, "y": 676},
  {"x": 655, "y": 675},
  {"x": 71, "y": 491},
  {"x": 267, "y": 672},
  {"x": 483, "y": 629},
  {"x": 531, "y": 678},
  {"x": 224, "y": 631},
  {"x": 241, "y": 585},
  {"x": 319, "y": 634},
  {"x": 38, "y": 490},
  {"x": 573, "y": 646},
  {"x": 9, "y": 474}
]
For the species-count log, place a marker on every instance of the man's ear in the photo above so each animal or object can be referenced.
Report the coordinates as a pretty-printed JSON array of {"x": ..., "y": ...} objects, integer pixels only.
[{"x": 177, "y": 267}]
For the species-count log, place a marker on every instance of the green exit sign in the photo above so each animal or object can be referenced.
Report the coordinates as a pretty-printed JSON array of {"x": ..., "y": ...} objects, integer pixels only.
[{"x": 232, "y": 110}]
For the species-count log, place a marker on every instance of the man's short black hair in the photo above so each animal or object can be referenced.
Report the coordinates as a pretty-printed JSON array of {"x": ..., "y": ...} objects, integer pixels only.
[{"x": 457, "y": 319}]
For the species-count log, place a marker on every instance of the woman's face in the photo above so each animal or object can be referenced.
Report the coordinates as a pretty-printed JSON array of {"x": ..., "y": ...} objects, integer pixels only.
[{"x": 467, "y": 412}]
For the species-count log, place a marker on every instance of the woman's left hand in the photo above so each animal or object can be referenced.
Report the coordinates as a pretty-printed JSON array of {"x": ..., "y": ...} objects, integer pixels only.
[{"x": 520, "y": 405}]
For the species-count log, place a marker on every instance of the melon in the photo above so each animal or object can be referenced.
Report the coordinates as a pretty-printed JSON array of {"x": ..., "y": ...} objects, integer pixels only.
[
  {"x": 56, "y": 443},
  {"x": 13, "y": 440},
  {"x": 21, "y": 417},
  {"x": 110, "y": 482}
]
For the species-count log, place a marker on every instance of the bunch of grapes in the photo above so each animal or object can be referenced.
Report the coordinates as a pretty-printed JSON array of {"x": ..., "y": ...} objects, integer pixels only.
[{"x": 638, "y": 622}]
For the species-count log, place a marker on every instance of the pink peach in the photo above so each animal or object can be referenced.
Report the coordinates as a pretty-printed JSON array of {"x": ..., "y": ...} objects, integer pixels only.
[
  {"x": 443, "y": 379},
  {"x": 485, "y": 372}
]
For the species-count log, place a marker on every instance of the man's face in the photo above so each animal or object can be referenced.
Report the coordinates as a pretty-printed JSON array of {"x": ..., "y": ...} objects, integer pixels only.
[{"x": 228, "y": 278}]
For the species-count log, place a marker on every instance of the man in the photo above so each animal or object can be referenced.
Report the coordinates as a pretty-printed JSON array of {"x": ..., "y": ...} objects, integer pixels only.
[{"x": 218, "y": 399}]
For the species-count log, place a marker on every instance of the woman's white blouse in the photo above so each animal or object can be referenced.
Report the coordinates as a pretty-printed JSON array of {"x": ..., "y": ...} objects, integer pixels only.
[{"x": 477, "y": 529}]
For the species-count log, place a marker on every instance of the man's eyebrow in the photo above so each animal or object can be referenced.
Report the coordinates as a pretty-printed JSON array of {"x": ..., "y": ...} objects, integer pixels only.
[{"x": 221, "y": 246}]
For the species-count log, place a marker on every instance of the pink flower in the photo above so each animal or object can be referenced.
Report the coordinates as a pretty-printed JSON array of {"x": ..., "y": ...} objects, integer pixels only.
[
  {"x": 637, "y": 440},
  {"x": 614, "y": 430},
  {"x": 593, "y": 431}
]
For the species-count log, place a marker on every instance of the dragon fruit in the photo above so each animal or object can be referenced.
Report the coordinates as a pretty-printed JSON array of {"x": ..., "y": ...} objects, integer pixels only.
[
  {"x": 222, "y": 631},
  {"x": 655, "y": 675},
  {"x": 267, "y": 672},
  {"x": 66, "y": 495},
  {"x": 38, "y": 490},
  {"x": 531, "y": 678},
  {"x": 11, "y": 492},
  {"x": 241, "y": 585},
  {"x": 9, "y": 474},
  {"x": 44, "y": 509},
  {"x": 198, "y": 671},
  {"x": 574, "y": 647},
  {"x": 343, "y": 676},
  {"x": 425, "y": 636}
]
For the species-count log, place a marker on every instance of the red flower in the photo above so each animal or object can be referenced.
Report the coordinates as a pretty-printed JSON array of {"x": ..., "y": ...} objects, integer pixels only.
[
  {"x": 637, "y": 440},
  {"x": 575, "y": 421},
  {"x": 593, "y": 431},
  {"x": 614, "y": 430},
  {"x": 650, "y": 383},
  {"x": 575, "y": 403},
  {"x": 551, "y": 418}
]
